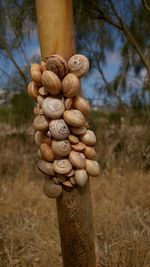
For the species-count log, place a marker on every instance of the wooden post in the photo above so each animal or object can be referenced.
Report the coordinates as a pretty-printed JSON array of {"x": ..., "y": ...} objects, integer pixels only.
[{"x": 55, "y": 26}]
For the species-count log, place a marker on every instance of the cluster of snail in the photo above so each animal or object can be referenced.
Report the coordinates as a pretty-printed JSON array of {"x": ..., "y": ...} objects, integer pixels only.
[{"x": 66, "y": 145}]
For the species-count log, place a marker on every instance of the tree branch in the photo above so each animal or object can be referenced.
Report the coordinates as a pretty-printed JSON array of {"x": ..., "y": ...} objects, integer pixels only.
[{"x": 146, "y": 6}]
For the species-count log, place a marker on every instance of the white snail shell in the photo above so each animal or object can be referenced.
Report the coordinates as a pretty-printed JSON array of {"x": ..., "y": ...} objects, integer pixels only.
[
  {"x": 33, "y": 90},
  {"x": 90, "y": 152},
  {"x": 41, "y": 123},
  {"x": 78, "y": 130},
  {"x": 40, "y": 137},
  {"x": 77, "y": 159},
  {"x": 79, "y": 147},
  {"x": 88, "y": 138},
  {"x": 70, "y": 85},
  {"x": 58, "y": 65},
  {"x": 79, "y": 65},
  {"x": 82, "y": 104},
  {"x": 73, "y": 139},
  {"x": 59, "y": 129},
  {"x": 53, "y": 108},
  {"x": 74, "y": 117},
  {"x": 46, "y": 167},
  {"x": 62, "y": 166},
  {"x": 51, "y": 189},
  {"x": 51, "y": 82},
  {"x": 61, "y": 148},
  {"x": 92, "y": 167},
  {"x": 81, "y": 177},
  {"x": 47, "y": 152}
]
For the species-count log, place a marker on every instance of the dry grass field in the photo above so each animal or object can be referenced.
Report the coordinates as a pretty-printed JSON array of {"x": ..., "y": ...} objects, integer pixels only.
[{"x": 29, "y": 233}]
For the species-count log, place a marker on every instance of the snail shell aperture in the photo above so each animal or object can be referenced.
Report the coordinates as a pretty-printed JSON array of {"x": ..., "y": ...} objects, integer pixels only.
[
  {"x": 61, "y": 148},
  {"x": 58, "y": 65},
  {"x": 59, "y": 129},
  {"x": 79, "y": 65},
  {"x": 53, "y": 108},
  {"x": 51, "y": 82},
  {"x": 74, "y": 117},
  {"x": 62, "y": 166}
]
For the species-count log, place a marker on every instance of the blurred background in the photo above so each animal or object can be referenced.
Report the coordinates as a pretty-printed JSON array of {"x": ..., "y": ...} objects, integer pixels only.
[{"x": 115, "y": 36}]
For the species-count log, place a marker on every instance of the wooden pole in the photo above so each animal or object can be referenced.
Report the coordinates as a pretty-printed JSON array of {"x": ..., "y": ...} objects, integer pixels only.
[{"x": 56, "y": 34}]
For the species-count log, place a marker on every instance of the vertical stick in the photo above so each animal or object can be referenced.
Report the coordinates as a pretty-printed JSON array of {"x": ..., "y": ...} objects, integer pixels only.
[{"x": 55, "y": 26}]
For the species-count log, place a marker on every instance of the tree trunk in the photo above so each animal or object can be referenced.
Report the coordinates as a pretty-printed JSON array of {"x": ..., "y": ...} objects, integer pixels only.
[{"x": 55, "y": 25}]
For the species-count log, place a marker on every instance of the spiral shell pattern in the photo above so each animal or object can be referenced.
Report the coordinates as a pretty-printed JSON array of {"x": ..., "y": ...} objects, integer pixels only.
[
  {"x": 58, "y": 65},
  {"x": 79, "y": 65},
  {"x": 59, "y": 129}
]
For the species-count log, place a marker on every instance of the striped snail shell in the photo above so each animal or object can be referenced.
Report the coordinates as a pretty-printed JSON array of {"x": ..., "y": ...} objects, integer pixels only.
[
  {"x": 79, "y": 65},
  {"x": 51, "y": 189},
  {"x": 61, "y": 148},
  {"x": 51, "y": 82},
  {"x": 82, "y": 104},
  {"x": 77, "y": 159},
  {"x": 59, "y": 129},
  {"x": 70, "y": 85},
  {"x": 62, "y": 166},
  {"x": 74, "y": 117},
  {"x": 43, "y": 91},
  {"x": 57, "y": 64},
  {"x": 33, "y": 90},
  {"x": 53, "y": 108}
]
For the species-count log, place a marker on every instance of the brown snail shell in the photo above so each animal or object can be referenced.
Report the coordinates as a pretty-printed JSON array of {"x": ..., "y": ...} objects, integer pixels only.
[
  {"x": 78, "y": 130},
  {"x": 40, "y": 100},
  {"x": 74, "y": 117},
  {"x": 79, "y": 147},
  {"x": 61, "y": 148},
  {"x": 51, "y": 82},
  {"x": 36, "y": 76},
  {"x": 53, "y": 108},
  {"x": 46, "y": 167},
  {"x": 51, "y": 189},
  {"x": 40, "y": 138},
  {"x": 43, "y": 91},
  {"x": 72, "y": 180},
  {"x": 90, "y": 152},
  {"x": 81, "y": 177},
  {"x": 69, "y": 174},
  {"x": 88, "y": 138},
  {"x": 70, "y": 85},
  {"x": 59, "y": 129},
  {"x": 92, "y": 167},
  {"x": 55, "y": 180},
  {"x": 77, "y": 159},
  {"x": 68, "y": 103},
  {"x": 82, "y": 104},
  {"x": 79, "y": 65},
  {"x": 47, "y": 152},
  {"x": 68, "y": 184},
  {"x": 86, "y": 125},
  {"x": 43, "y": 66},
  {"x": 61, "y": 178},
  {"x": 73, "y": 139},
  {"x": 37, "y": 110},
  {"x": 58, "y": 65},
  {"x": 62, "y": 166},
  {"x": 35, "y": 66},
  {"x": 33, "y": 90},
  {"x": 41, "y": 123}
]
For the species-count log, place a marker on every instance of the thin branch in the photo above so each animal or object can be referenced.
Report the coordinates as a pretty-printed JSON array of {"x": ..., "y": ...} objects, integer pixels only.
[{"x": 146, "y": 6}]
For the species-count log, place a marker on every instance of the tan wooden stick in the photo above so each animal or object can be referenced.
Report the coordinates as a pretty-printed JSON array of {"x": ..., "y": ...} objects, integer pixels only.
[{"x": 55, "y": 26}]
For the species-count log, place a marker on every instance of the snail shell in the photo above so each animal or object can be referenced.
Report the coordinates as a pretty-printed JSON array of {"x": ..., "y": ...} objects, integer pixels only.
[
  {"x": 90, "y": 152},
  {"x": 88, "y": 138},
  {"x": 79, "y": 65},
  {"x": 51, "y": 189},
  {"x": 74, "y": 117},
  {"x": 33, "y": 90},
  {"x": 61, "y": 148},
  {"x": 59, "y": 129},
  {"x": 36, "y": 73},
  {"x": 43, "y": 91},
  {"x": 55, "y": 180},
  {"x": 86, "y": 125},
  {"x": 69, "y": 174},
  {"x": 40, "y": 100},
  {"x": 47, "y": 152},
  {"x": 73, "y": 139},
  {"x": 70, "y": 85},
  {"x": 68, "y": 184},
  {"x": 61, "y": 178},
  {"x": 81, "y": 177},
  {"x": 68, "y": 103},
  {"x": 40, "y": 138},
  {"x": 51, "y": 82},
  {"x": 46, "y": 167},
  {"x": 79, "y": 147},
  {"x": 72, "y": 180},
  {"x": 41, "y": 123},
  {"x": 37, "y": 110},
  {"x": 35, "y": 66},
  {"x": 78, "y": 130},
  {"x": 43, "y": 66},
  {"x": 62, "y": 166},
  {"x": 82, "y": 104},
  {"x": 77, "y": 159},
  {"x": 58, "y": 65},
  {"x": 53, "y": 108},
  {"x": 92, "y": 167}
]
